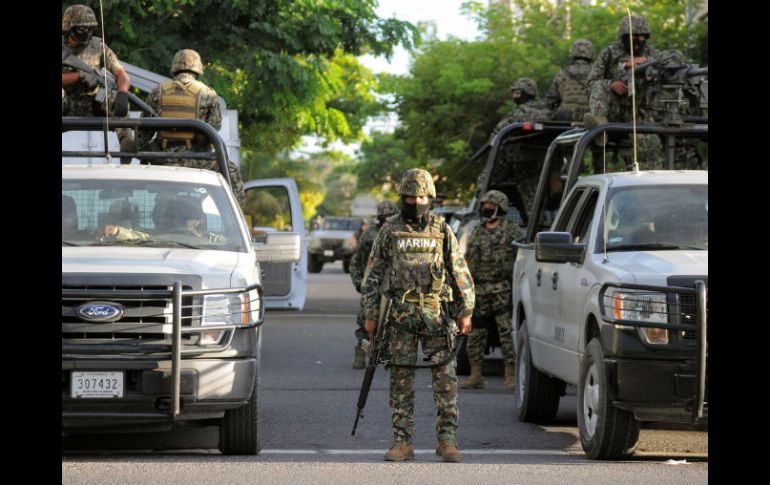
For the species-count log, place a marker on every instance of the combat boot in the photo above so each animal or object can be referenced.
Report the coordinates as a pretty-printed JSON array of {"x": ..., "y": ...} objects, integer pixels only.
[
  {"x": 359, "y": 360},
  {"x": 510, "y": 377},
  {"x": 448, "y": 451},
  {"x": 127, "y": 144},
  {"x": 400, "y": 451},
  {"x": 475, "y": 380},
  {"x": 592, "y": 120}
]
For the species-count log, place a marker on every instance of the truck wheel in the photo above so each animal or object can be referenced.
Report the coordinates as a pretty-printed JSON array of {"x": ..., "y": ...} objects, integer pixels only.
[
  {"x": 313, "y": 265},
  {"x": 606, "y": 432},
  {"x": 463, "y": 364},
  {"x": 239, "y": 429},
  {"x": 536, "y": 396},
  {"x": 346, "y": 265}
]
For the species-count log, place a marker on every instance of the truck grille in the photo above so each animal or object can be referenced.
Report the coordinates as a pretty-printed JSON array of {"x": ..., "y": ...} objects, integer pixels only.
[
  {"x": 331, "y": 243},
  {"x": 687, "y": 313}
]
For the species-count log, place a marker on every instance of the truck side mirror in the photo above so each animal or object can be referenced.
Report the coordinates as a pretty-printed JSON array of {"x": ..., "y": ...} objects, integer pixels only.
[
  {"x": 279, "y": 247},
  {"x": 557, "y": 247}
]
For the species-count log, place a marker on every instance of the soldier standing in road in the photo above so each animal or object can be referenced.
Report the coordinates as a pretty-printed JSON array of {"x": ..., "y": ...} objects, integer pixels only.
[
  {"x": 77, "y": 26},
  {"x": 186, "y": 97},
  {"x": 416, "y": 260},
  {"x": 358, "y": 261},
  {"x": 609, "y": 97},
  {"x": 490, "y": 258},
  {"x": 567, "y": 97}
]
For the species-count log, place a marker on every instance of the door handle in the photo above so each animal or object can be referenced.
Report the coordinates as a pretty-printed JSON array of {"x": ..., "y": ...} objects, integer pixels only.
[
  {"x": 554, "y": 279},
  {"x": 539, "y": 276}
]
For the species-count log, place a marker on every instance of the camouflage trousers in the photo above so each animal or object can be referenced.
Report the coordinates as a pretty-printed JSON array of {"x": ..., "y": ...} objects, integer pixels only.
[
  {"x": 527, "y": 189},
  {"x": 403, "y": 347},
  {"x": 497, "y": 307},
  {"x": 87, "y": 106},
  {"x": 360, "y": 330}
]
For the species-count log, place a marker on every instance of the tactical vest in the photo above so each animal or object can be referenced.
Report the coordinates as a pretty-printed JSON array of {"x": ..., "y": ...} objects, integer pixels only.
[
  {"x": 490, "y": 254},
  {"x": 572, "y": 88},
  {"x": 417, "y": 259},
  {"x": 178, "y": 100}
]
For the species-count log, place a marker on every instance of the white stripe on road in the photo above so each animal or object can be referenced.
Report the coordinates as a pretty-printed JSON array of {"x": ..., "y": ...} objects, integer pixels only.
[{"x": 419, "y": 452}]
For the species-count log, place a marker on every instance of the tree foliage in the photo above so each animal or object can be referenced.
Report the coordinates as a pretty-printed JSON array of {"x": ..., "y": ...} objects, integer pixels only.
[{"x": 289, "y": 68}]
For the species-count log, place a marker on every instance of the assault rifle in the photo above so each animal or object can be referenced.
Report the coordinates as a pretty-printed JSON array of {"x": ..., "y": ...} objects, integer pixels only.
[
  {"x": 375, "y": 356},
  {"x": 69, "y": 60},
  {"x": 640, "y": 71}
]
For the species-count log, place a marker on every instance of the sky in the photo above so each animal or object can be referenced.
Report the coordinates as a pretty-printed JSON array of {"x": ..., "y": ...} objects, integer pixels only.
[{"x": 448, "y": 21}]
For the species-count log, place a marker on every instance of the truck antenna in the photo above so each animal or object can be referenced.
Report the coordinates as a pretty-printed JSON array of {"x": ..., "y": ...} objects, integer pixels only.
[{"x": 633, "y": 87}]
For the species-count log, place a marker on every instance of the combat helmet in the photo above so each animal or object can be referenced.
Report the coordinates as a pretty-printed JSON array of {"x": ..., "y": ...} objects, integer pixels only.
[
  {"x": 417, "y": 182},
  {"x": 187, "y": 60},
  {"x": 386, "y": 208},
  {"x": 78, "y": 16},
  {"x": 496, "y": 197},
  {"x": 582, "y": 48},
  {"x": 527, "y": 85},
  {"x": 638, "y": 25}
]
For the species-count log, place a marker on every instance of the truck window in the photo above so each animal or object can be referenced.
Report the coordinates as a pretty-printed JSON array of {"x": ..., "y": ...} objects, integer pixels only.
[
  {"x": 580, "y": 230},
  {"x": 569, "y": 209},
  {"x": 269, "y": 207}
]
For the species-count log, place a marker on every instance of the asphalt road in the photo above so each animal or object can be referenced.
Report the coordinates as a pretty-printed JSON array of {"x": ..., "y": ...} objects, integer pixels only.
[{"x": 308, "y": 397}]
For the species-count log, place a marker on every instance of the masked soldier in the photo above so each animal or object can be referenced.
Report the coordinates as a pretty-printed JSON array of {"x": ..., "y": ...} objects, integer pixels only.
[
  {"x": 77, "y": 26},
  {"x": 528, "y": 106},
  {"x": 609, "y": 84},
  {"x": 416, "y": 261},
  {"x": 186, "y": 97},
  {"x": 385, "y": 209},
  {"x": 490, "y": 258},
  {"x": 566, "y": 96}
]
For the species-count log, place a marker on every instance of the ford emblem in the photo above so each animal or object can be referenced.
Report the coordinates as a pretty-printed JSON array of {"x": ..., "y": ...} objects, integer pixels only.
[{"x": 100, "y": 312}]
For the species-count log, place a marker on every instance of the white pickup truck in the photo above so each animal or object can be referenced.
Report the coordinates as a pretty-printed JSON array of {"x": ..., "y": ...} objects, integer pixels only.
[
  {"x": 162, "y": 302},
  {"x": 613, "y": 300}
]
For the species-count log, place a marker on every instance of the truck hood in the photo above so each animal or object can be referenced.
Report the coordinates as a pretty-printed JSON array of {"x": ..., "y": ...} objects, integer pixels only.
[
  {"x": 653, "y": 267},
  {"x": 332, "y": 234},
  {"x": 216, "y": 267}
]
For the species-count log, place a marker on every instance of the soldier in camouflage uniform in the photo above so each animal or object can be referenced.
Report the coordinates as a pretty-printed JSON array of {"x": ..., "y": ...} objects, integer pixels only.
[
  {"x": 358, "y": 261},
  {"x": 416, "y": 260},
  {"x": 187, "y": 98},
  {"x": 609, "y": 98},
  {"x": 567, "y": 97},
  {"x": 528, "y": 107},
  {"x": 490, "y": 258},
  {"x": 77, "y": 26}
]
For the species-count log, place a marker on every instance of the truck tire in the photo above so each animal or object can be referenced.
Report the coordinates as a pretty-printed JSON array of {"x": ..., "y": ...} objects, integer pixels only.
[
  {"x": 536, "y": 395},
  {"x": 313, "y": 265},
  {"x": 239, "y": 429},
  {"x": 346, "y": 265},
  {"x": 606, "y": 432},
  {"x": 463, "y": 364}
]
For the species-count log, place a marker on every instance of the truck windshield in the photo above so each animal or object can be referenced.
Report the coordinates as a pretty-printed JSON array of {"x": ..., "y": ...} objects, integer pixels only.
[
  {"x": 148, "y": 214},
  {"x": 656, "y": 218}
]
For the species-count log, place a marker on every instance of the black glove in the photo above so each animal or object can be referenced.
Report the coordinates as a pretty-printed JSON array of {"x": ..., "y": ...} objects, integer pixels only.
[
  {"x": 89, "y": 80},
  {"x": 121, "y": 104}
]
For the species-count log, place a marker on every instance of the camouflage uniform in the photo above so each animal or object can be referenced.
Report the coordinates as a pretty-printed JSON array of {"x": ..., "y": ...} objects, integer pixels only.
[
  {"x": 530, "y": 110},
  {"x": 80, "y": 100},
  {"x": 567, "y": 97},
  {"x": 420, "y": 265},
  {"x": 358, "y": 261},
  {"x": 605, "y": 104},
  {"x": 186, "y": 97},
  {"x": 490, "y": 258}
]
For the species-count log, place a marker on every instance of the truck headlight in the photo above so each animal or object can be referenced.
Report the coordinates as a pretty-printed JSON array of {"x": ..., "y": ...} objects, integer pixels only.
[
  {"x": 642, "y": 306},
  {"x": 241, "y": 308},
  {"x": 314, "y": 244}
]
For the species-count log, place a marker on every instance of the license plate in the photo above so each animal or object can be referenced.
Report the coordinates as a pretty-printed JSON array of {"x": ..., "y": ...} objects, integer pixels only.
[
  {"x": 97, "y": 385},
  {"x": 328, "y": 252}
]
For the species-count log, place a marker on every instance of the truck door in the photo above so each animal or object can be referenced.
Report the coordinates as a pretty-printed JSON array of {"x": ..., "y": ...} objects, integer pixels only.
[
  {"x": 543, "y": 331},
  {"x": 274, "y": 205}
]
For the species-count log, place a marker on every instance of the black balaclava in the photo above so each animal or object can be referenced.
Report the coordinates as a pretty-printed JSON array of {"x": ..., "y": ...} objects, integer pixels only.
[
  {"x": 639, "y": 45},
  {"x": 489, "y": 215},
  {"x": 521, "y": 98},
  {"x": 83, "y": 36},
  {"x": 413, "y": 212}
]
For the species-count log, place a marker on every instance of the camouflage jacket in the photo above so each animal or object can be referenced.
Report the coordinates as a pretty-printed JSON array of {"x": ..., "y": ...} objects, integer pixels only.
[
  {"x": 208, "y": 107},
  {"x": 568, "y": 88},
  {"x": 361, "y": 255},
  {"x": 491, "y": 255},
  {"x": 91, "y": 54},
  {"x": 532, "y": 110},
  {"x": 384, "y": 254},
  {"x": 610, "y": 65}
]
